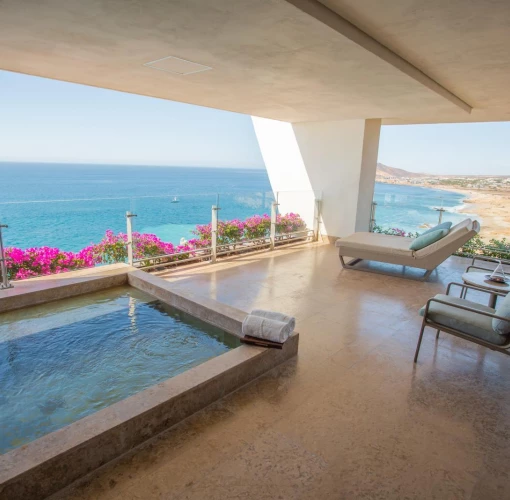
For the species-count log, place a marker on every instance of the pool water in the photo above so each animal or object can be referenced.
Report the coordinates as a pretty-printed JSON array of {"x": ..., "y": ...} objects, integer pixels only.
[{"x": 62, "y": 361}]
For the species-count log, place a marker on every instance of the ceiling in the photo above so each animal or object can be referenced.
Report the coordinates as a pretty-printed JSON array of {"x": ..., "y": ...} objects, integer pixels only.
[{"x": 271, "y": 58}]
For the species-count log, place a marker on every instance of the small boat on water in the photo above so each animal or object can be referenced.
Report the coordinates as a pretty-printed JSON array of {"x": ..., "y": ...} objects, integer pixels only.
[{"x": 175, "y": 200}]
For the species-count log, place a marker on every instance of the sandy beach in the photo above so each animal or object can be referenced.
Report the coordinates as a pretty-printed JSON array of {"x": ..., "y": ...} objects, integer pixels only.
[{"x": 491, "y": 207}]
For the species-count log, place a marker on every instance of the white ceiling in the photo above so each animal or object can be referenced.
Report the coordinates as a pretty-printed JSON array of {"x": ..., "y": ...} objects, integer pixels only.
[{"x": 271, "y": 59}]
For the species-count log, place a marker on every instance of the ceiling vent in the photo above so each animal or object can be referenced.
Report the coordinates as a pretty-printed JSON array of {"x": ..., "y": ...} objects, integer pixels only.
[{"x": 177, "y": 66}]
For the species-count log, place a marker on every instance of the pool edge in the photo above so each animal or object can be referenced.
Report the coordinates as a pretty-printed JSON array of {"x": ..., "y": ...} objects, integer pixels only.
[{"x": 52, "y": 462}]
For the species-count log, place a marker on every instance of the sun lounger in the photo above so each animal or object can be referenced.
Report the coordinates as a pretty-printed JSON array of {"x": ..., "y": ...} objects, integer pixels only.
[{"x": 395, "y": 249}]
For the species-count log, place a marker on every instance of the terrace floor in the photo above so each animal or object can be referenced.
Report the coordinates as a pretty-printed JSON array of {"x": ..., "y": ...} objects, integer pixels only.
[{"x": 351, "y": 417}]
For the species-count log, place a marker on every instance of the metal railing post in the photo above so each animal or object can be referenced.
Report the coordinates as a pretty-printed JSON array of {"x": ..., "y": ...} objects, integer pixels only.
[
  {"x": 371, "y": 225},
  {"x": 3, "y": 266},
  {"x": 272, "y": 234},
  {"x": 317, "y": 220},
  {"x": 214, "y": 232},
  {"x": 129, "y": 233},
  {"x": 440, "y": 210}
]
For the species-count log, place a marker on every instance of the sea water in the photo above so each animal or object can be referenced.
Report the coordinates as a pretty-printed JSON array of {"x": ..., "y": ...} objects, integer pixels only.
[
  {"x": 70, "y": 206},
  {"x": 415, "y": 208}
]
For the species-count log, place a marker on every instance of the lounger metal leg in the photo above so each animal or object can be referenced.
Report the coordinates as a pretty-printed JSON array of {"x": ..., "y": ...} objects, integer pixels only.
[
  {"x": 342, "y": 261},
  {"x": 426, "y": 276},
  {"x": 437, "y": 334},
  {"x": 419, "y": 341},
  {"x": 351, "y": 264}
]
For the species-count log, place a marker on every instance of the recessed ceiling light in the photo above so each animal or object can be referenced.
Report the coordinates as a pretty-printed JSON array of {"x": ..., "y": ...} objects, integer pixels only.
[{"x": 177, "y": 66}]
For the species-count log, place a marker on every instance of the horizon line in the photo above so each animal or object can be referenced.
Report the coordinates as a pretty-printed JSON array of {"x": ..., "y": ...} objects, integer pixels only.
[{"x": 126, "y": 164}]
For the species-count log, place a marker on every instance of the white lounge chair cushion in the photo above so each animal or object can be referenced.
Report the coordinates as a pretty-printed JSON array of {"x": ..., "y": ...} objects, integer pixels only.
[
  {"x": 456, "y": 232},
  {"x": 376, "y": 242},
  {"x": 466, "y": 223}
]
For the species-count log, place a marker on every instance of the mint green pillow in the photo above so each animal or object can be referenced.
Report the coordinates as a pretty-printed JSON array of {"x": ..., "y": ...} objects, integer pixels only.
[
  {"x": 444, "y": 225},
  {"x": 427, "y": 239},
  {"x": 498, "y": 325}
]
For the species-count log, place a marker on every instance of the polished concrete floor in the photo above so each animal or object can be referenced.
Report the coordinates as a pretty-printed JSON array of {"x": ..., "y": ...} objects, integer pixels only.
[{"x": 352, "y": 417}]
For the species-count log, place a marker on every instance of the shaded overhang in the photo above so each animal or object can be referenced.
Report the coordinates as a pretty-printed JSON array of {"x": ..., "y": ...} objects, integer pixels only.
[{"x": 298, "y": 60}]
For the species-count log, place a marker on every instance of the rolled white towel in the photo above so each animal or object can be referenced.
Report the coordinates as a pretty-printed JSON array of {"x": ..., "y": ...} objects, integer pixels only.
[
  {"x": 266, "y": 328},
  {"x": 275, "y": 316}
]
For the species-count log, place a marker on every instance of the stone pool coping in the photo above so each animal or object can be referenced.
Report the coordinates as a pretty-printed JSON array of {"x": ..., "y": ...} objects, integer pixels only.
[{"x": 48, "y": 464}]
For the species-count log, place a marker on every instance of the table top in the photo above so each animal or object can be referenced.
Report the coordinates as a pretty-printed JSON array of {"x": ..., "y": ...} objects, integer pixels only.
[{"x": 479, "y": 279}]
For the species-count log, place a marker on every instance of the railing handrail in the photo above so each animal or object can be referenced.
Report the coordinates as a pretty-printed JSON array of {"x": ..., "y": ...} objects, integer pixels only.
[{"x": 205, "y": 252}]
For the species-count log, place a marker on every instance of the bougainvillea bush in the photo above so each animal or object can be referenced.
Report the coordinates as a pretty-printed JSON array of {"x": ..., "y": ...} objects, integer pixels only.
[
  {"x": 22, "y": 264},
  {"x": 289, "y": 223},
  {"x": 229, "y": 232},
  {"x": 256, "y": 226}
]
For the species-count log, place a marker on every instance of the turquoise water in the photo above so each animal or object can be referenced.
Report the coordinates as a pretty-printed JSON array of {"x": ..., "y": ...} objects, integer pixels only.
[
  {"x": 71, "y": 206},
  {"x": 37, "y": 201},
  {"x": 413, "y": 208},
  {"x": 62, "y": 361}
]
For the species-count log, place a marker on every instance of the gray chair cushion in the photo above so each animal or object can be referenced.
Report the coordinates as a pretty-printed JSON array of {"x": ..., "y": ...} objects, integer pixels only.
[
  {"x": 467, "y": 322},
  {"x": 500, "y": 326}
]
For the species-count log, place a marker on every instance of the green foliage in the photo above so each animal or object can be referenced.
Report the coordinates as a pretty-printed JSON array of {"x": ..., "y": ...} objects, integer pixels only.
[
  {"x": 498, "y": 249},
  {"x": 394, "y": 231},
  {"x": 472, "y": 247}
]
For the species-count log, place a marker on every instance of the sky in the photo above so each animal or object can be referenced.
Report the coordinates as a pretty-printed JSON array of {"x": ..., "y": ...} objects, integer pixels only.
[
  {"x": 453, "y": 148},
  {"x": 44, "y": 120}
]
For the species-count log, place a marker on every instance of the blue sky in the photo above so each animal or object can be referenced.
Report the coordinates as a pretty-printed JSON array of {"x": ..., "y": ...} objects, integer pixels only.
[
  {"x": 51, "y": 121},
  {"x": 453, "y": 148}
]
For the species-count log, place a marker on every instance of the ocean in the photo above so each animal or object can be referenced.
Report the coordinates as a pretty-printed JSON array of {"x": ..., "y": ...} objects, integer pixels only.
[
  {"x": 71, "y": 206},
  {"x": 413, "y": 208}
]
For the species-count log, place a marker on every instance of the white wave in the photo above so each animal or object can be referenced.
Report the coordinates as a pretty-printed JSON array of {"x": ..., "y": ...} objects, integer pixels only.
[{"x": 456, "y": 208}]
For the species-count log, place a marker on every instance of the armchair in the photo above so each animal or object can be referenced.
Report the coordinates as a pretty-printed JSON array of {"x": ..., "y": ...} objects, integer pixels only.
[{"x": 465, "y": 319}]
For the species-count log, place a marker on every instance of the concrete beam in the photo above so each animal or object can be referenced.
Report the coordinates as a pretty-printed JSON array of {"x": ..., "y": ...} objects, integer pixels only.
[{"x": 341, "y": 25}]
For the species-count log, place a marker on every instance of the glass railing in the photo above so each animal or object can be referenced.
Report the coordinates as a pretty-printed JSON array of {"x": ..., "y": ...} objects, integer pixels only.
[
  {"x": 54, "y": 236},
  {"x": 292, "y": 225},
  {"x": 416, "y": 213},
  {"x": 224, "y": 224},
  {"x": 69, "y": 225},
  {"x": 398, "y": 213}
]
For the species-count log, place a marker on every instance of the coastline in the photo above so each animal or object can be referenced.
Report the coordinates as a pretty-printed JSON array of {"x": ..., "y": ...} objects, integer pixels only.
[{"x": 491, "y": 207}]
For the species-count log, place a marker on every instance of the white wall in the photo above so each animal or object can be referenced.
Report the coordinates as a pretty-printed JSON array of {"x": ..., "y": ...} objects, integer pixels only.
[
  {"x": 285, "y": 167},
  {"x": 334, "y": 159}
]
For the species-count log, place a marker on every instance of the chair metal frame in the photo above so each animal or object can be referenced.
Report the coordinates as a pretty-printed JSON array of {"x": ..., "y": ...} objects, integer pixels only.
[
  {"x": 457, "y": 333},
  {"x": 493, "y": 260},
  {"x": 352, "y": 265}
]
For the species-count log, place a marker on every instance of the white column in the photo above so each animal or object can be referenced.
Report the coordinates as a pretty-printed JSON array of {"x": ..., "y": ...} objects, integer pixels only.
[{"x": 336, "y": 160}]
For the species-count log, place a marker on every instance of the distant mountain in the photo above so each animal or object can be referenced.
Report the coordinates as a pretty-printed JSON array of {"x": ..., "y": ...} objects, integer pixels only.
[{"x": 386, "y": 171}]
